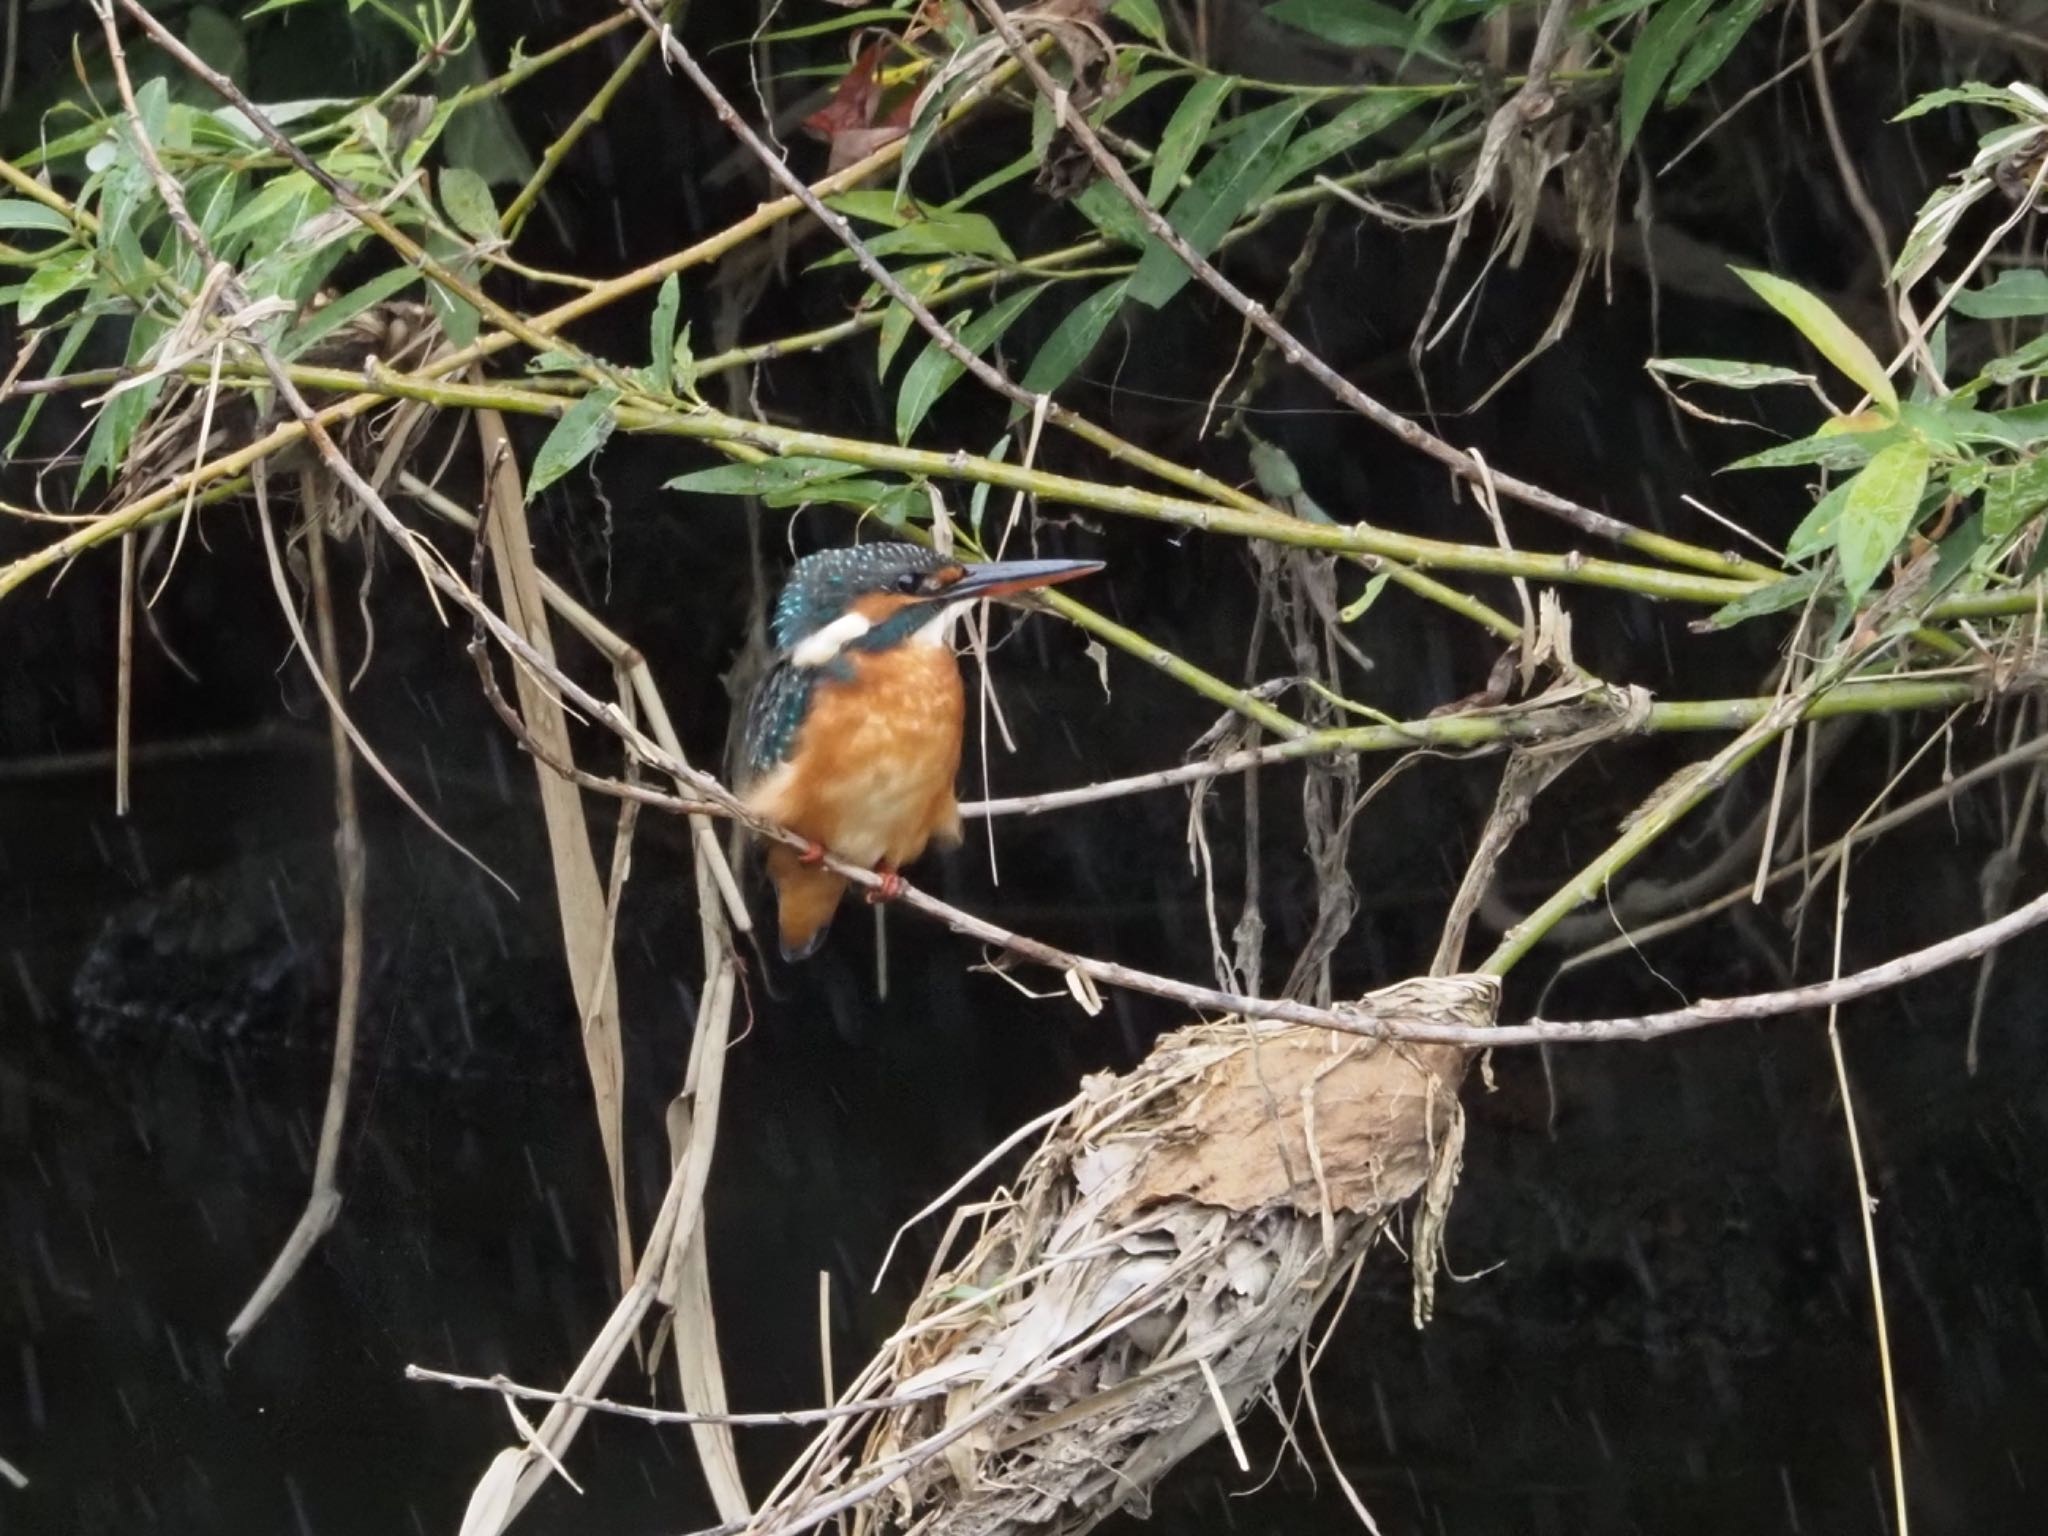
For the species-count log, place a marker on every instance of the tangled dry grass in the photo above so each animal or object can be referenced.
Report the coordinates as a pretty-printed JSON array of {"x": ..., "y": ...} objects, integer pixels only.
[{"x": 1152, "y": 1269}]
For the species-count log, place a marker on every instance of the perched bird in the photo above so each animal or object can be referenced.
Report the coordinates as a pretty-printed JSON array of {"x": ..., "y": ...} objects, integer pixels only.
[{"x": 853, "y": 738}]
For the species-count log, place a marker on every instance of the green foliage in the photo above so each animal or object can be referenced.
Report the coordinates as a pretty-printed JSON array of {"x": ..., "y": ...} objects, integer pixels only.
[
  {"x": 576, "y": 437},
  {"x": 1221, "y": 191},
  {"x": 1962, "y": 462},
  {"x": 1073, "y": 339},
  {"x": 936, "y": 370}
]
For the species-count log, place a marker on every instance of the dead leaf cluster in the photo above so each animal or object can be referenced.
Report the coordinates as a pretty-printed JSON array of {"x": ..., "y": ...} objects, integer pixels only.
[{"x": 1139, "y": 1286}]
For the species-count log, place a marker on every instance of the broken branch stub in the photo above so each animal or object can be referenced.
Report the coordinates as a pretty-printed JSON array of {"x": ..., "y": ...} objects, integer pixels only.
[{"x": 1163, "y": 1252}]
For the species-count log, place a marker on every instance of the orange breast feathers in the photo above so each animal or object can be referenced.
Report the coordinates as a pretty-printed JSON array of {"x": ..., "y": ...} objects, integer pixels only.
[{"x": 871, "y": 772}]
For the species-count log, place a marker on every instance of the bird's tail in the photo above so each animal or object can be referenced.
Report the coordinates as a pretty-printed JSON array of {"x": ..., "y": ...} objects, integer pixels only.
[{"x": 806, "y": 895}]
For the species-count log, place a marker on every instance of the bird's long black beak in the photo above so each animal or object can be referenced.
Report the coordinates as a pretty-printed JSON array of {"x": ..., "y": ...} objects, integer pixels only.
[{"x": 1003, "y": 578}]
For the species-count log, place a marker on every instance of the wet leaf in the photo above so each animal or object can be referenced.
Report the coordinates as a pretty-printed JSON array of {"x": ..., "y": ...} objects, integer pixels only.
[
  {"x": 20, "y": 213},
  {"x": 1356, "y": 24},
  {"x": 1877, "y": 511},
  {"x": 331, "y": 317},
  {"x": 940, "y": 232},
  {"x": 661, "y": 335},
  {"x": 1716, "y": 41},
  {"x": 2013, "y": 496},
  {"x": 1729, "y": 375},
  {"x": 1142, "y": 17},
  {"x": 1658, "y": 48},
  {"x": 50, "y": 281},
  {"x": 1184, "y": 135},
  {"x": 767, "y": 477},
  {"x": 1825, "y": 329},
  {"x": 1205, "y": 210},
  {"x": 1353, "y": 126},
  {"x": 921, "y": 282},
  {"x": 935, "y": 370},
  {"x": 1815, "y": 534},
  {"x": 1775, "y": 597},
  {"x": 1357, "y": 609},
  {"x": 2016, "y": 292},
  {"x": 1114, "y": 218},
  {"x": 580, "y": 433},
  {"x": 467, "y": 197},
  {"x": 1073, "y": 339},
  {"x": 1830, "y": 450}
]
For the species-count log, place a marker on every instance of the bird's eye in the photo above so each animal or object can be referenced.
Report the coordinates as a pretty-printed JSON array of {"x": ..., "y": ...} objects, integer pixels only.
[{"x": 910, "y": 582}]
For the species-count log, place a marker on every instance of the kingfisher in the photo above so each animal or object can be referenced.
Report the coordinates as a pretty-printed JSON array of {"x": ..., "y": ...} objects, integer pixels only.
[{"x": 853, "y": 738}]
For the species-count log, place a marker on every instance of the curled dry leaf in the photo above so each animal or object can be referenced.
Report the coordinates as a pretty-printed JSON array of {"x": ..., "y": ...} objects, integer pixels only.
[{"x": 853, "y": 121}]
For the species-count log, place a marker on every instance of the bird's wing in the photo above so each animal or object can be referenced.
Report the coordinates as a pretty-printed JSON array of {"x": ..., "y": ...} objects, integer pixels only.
[{"x": 774, "y": 715}]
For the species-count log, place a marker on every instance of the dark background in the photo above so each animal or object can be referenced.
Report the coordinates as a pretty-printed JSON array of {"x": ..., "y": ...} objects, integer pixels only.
[{"x": 1665, "y": 1321}]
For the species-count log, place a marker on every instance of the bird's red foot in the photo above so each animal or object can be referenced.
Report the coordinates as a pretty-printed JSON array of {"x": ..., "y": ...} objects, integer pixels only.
[
  {"x": 890, "y": 888},
  {"x": 813, "y": 853}
]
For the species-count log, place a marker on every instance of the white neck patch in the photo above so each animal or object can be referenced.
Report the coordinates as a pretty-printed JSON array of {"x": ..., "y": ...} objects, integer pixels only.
[
  {"x": 938, "y": 630},
  {"x": 823, "y": 646}
]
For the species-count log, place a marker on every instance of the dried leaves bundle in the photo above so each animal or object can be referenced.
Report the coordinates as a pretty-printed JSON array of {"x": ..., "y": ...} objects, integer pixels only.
[{"x": 1156, "y": 1262}]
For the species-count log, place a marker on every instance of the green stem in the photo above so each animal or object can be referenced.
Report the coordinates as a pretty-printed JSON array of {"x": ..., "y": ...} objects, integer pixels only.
[{"x": 591, "y": 115}]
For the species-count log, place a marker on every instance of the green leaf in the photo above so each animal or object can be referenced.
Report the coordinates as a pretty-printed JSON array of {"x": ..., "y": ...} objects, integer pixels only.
[
  {"x": 331, "y": 317},
  {"x": 925, "y": 120},
  {"x": 1877, "y": 511},
  {"x": 107, "y": 449},
  {"x": 280, "y": 198},
  {"x": 20, "y": 213},
  {"x": 1113, "y": 217},
  {"x": 2013, "y": 496},
  {"x": 1022, "y": 166},
  {"x": 1825, "y": 329},
  {"x": 921, "y": 282},
  {"x": 1972, "y": 95},
  {"x": 873, "y": 206},
  {"x": 2029, "y": 362},
  {"x": 1957, "y": 554},
  {"x": 855, "y": 492},
  {"x": 1353, "y": 126},
  {"x": 941, "y": 232},
  {"x": 467, "y": 197},
  {"x": 67, "y": 349},
  {"x": 580, "y": 433},
  {"x": 1595, "y": 17},
  {"x": 1653, "y": 58},
  {"x": 685, "y": 363},
  {"x": 1356, "y": 24},
  {"x": 1185, "y": 131},
  {"x": 1204, "y": 212},
  {"x": 935, "y": 370},
  {"x": 1354, "y": 611},
  {"x": 817, "y": 28},
  {"x": 1775, "y": 597},
  {"x": 661, "y": 335},
  {"x": 1716, "y": 42},
  {"x": 1073, "y": 339},
  {"x": 1829, "y": 450},
  {"x": 217, "y": 38},
  {"x": 2014, "y": 292},
  {"x": 1142, "y": 17},
  {"x": 2024, "y": 427},
  {"x": 768, "y": 477},
  {"x": 1816, "y": 532},
  {"x": 977, "y": 499},
  {"x": 905, "y": 504},
  {"x": 51, "y": 281},
  {"x": 1729, "y": 375}
]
